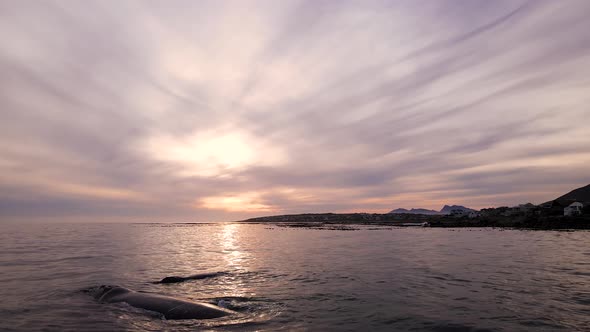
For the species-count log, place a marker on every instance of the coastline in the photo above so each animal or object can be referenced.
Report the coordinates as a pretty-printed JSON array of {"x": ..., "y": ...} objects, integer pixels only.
[{"x": 343, "y": 221}]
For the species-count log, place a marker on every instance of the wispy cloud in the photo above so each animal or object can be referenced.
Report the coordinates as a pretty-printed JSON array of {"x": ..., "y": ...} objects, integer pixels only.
[{"x": 152, "y": 110}]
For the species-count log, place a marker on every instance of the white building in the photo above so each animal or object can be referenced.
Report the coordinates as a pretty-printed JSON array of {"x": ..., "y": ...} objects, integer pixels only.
[{"x": 573, "y": 209}]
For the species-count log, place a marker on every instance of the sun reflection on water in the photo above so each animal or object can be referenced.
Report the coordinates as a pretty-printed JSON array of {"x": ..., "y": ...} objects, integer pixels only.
[{"x": 236, "y": 259}]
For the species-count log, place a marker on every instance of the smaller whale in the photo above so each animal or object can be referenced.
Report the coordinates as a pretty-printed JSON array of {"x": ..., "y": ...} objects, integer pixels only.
[
  {"x": 175, "y": 279},
  {"x": 170, "y": 307}
]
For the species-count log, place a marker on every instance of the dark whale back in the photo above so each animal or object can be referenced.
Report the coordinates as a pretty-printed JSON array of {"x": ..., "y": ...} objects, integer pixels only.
[
  {"x": 171, "y": 280},
  {"x": 175, "y": 279},
  {"x": 107, "y": 292},
  {"x": 170, "y": 307}
]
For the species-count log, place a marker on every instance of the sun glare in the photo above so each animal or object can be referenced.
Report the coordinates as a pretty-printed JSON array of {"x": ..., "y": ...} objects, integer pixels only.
[
  {"x": 212, "y": 153},
  {"x": 243, "y": 202}
]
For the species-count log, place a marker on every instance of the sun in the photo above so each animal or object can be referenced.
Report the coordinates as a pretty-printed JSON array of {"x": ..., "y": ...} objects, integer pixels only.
[
  {"x": 242, "y": 202},
  {"x": 212, "y": 153}
]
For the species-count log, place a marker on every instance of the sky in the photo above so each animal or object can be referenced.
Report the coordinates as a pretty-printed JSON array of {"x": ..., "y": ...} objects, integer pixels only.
[{"x": 149, "y": 111}]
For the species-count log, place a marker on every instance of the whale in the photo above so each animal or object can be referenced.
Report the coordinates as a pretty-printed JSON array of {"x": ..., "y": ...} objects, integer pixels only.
[
  {"x": 170, "y": 308},
  {"x": 175, "y": 279}
]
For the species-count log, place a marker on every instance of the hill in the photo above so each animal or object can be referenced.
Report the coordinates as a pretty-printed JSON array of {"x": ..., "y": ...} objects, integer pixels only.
[
  {"x": 415, "y": 211},
  {"x": 581, "y": 195},
  {"x": 445, "y": 210}
]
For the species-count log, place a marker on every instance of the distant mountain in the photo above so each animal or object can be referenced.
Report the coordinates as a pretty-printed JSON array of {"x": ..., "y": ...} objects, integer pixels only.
[
  {"x": 447, "y": 209},
  {"x": 414, "y": 211},
  {"x": 400, "y": 211},
  {"x": 581, "y": 195}
]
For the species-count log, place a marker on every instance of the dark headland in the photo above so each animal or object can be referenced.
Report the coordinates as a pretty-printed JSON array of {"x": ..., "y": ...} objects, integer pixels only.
[{"x": 569, "y": 211}]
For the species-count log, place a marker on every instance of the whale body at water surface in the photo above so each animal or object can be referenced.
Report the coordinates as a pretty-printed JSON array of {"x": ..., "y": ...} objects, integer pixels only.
[
  {"x": 170, "y": 307},
  {"x": 174, "y": 279}
]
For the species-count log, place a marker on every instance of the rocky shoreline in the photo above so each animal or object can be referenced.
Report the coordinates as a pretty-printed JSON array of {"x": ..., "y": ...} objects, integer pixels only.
[{"x": 342, "y": 221}]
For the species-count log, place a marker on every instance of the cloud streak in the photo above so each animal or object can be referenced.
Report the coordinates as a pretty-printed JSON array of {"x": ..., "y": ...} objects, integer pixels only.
[{"x": 214, "y": 110}]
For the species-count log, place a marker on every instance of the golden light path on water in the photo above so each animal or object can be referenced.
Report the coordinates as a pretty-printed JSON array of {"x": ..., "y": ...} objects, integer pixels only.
[{"x": 235, "y": 258}]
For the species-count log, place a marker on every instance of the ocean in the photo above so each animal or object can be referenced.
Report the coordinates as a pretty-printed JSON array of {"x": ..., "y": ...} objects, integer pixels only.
[{"x": 297, "y": 279}]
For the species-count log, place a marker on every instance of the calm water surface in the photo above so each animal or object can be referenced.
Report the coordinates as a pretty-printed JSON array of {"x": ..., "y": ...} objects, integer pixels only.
[{"x": 388, "y": 279}]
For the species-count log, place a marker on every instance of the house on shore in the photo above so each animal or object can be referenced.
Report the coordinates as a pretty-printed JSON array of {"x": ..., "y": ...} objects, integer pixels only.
[
  {"x": 574, "y": 209},
  {"x": 552, "y": 208}
]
